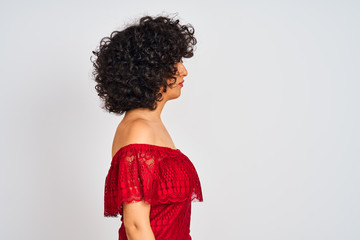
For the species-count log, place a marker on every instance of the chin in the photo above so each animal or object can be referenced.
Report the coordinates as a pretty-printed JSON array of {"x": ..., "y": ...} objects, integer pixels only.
[{"x": 174, "y": 96}]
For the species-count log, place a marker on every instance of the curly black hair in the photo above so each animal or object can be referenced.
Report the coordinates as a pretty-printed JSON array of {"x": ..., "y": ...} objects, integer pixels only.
[{"x": 133, "y": 65}]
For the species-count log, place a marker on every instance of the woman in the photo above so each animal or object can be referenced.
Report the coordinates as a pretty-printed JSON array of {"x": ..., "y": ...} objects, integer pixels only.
[{"x": 150, "y": 183}]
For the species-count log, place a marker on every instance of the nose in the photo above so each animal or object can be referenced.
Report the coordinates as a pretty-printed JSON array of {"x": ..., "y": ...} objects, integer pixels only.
[{"x": 182, "y": 70}]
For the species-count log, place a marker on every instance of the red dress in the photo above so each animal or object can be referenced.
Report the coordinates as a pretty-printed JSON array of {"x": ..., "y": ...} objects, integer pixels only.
[{"x": 162, "y": 176}]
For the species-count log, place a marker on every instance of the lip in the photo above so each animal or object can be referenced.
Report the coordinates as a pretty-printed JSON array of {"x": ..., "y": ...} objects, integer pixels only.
[{"x": 181, "y": 83}]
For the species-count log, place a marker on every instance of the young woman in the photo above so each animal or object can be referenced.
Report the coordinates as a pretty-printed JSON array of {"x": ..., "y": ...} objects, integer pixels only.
[{"x": 150, "y": 183}]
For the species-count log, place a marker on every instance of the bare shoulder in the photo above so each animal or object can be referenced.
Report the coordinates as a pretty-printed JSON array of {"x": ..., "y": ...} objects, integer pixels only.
[
  {"x": 139, "y": 131},
  {"x": 135, "y": 131}
]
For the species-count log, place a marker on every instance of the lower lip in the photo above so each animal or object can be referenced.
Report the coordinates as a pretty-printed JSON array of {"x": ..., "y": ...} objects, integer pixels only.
[{"x": 181, "y": 84}]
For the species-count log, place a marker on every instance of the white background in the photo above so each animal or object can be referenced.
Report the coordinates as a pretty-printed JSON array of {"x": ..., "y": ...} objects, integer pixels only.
[{"x": 269, "y": 116}]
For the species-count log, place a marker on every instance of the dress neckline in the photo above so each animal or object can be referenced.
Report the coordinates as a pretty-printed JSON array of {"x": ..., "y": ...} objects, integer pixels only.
[{"x": 168, "y": 149}]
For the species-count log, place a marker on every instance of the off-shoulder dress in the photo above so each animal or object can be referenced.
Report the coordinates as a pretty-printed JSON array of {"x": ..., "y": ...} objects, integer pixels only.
[{"x": 162, "y": 176}]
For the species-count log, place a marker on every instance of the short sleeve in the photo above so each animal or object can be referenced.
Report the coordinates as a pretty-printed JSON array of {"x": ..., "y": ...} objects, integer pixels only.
[{"x": 129, "y": 179}]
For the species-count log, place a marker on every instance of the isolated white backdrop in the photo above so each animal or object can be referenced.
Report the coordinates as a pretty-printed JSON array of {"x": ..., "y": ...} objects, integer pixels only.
[{"x": 269, "y": 116}]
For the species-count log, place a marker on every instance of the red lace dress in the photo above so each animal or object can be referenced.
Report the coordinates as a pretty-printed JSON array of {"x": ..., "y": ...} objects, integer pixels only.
[{"x": 162, "y": 176}]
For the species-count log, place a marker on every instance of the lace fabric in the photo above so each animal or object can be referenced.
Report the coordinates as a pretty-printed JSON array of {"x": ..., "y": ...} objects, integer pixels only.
[{"x": 162, "y": 176}]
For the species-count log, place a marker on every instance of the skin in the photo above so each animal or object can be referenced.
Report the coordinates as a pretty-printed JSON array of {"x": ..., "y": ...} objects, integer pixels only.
[{"x": 145, "y": 126}]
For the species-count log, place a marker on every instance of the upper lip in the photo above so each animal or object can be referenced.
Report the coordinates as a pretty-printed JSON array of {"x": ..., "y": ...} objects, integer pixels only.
[{"x": 181, "y": 82}]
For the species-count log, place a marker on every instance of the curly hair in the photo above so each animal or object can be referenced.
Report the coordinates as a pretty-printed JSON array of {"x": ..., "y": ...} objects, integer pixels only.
[{"x": 133, "y": 65}]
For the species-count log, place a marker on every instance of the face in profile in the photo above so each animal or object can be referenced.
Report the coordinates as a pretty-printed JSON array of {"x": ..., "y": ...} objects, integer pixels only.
[{"x": 174, "y": 91}]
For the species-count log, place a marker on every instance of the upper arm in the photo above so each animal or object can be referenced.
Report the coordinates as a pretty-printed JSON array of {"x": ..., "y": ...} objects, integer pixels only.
[{"x": 137, "y": 213}]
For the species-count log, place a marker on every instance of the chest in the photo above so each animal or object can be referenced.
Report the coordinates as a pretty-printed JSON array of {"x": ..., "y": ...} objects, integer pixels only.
[{"x": 175, "y": 179}]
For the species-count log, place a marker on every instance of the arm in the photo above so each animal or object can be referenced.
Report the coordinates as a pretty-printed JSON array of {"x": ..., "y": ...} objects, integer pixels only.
[
  {"x": 137, "y": 221},
  {"x": 136, "y": 214}
]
